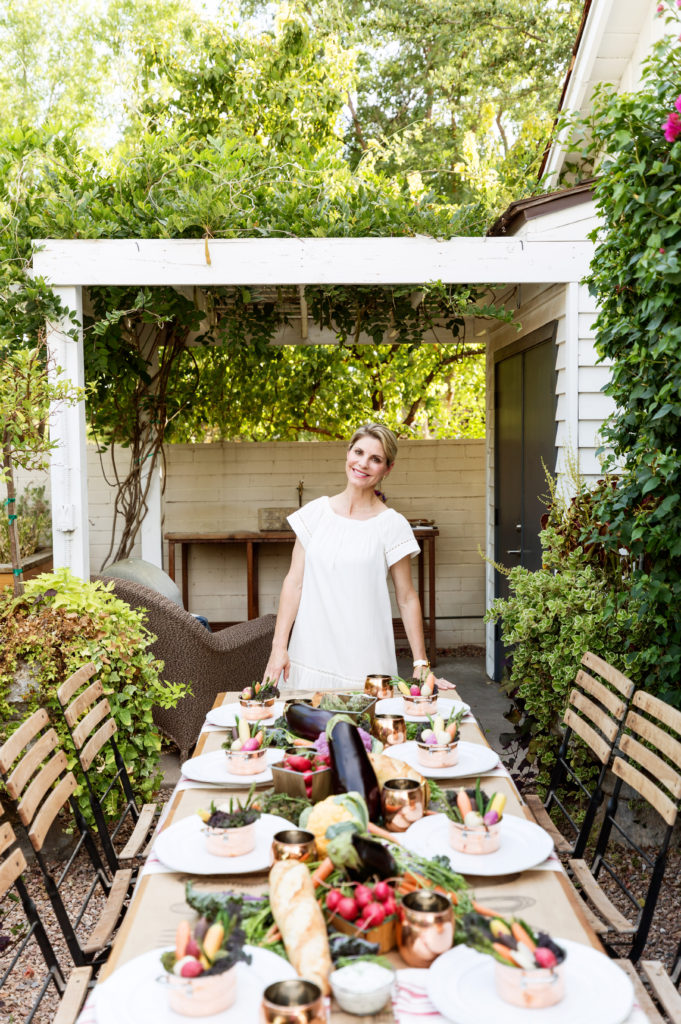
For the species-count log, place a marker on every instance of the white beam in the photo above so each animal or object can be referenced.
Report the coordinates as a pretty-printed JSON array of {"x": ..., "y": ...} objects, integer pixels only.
[
  {"x": 151, "y": 530},
  {"x": 68, "y": 468},
  {"x": 300, "y": 261}
]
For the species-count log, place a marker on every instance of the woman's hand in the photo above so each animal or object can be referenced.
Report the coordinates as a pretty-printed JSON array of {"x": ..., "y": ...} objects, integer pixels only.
[
  {"x": 444, "y": 684},
  {"x": 420, "y": 675},
  {"x": 279, "y": 662}
]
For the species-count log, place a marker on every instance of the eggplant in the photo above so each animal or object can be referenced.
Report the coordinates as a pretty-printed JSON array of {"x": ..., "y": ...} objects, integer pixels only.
[
  {"x": 376, "y": 859},
  {"x": 351, "y": 769},
  {"x": 306, "y": 721}
]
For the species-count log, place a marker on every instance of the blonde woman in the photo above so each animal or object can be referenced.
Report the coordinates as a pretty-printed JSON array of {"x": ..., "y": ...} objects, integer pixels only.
[{"x": 336, "y": 590}]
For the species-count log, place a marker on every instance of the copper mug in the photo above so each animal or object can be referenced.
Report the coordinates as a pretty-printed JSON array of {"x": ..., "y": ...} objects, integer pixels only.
[
  {"x": 378, "y": 686},
  {"x": 402, "y": 803},
  {"x": 295, "y": 1001},
  {"x": 389, "y": 729},
  {"x": 425, "y": 927},
  {"x": 294, "y": 844}
]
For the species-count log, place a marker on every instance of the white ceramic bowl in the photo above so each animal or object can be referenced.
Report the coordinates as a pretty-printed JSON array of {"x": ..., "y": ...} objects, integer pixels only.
[{"x": 363, "y": 1002}]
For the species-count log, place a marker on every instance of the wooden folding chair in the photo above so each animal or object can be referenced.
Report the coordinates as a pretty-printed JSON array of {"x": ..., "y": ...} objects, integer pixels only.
[
  {"x": 88, "y": 717},
  {"x": 71, "y": 992},
  {"x": 648, "y": 760},
  {"x": 34, "y": 769},
  {"x": 594, "y": 716}
]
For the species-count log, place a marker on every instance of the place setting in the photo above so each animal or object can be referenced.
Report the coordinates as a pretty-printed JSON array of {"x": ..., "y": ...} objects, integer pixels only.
[{"x": 225, "y": 768}]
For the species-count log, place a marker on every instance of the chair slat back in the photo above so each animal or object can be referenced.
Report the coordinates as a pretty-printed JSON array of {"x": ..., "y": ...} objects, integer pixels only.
[
  {"x": 611, "y": 674},
  {"x": 21, "y": 738},
  {"x": 82, "y": 702},
  {"x": 607, "y": 725},
  {"x": 7, "y": 836},
  {"x": 610, "y": 700},
  {"x": 15, "y": 784},
  {"x": 87, "y": 724},
  {"x": 600, "y": 747},
  {"x": 42, "y": 822},
  {"x": 40, "y": 786},
  {"x": 653, "y": 764},
  {"x": 74, "y": 682},
  {"x": 12, "y": 865},
  {"x": 96, "y": 742},
  {"x": 664, "y": 712},
  {"x": 664, "y": 741},
  {"x": 646, "y": 788}
]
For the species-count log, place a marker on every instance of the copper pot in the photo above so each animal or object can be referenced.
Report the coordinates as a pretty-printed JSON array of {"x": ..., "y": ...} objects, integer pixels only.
[
  {"x": 425, "y": 927},
  {"x": 293, "y": 1002},
  {"x": 402, "y": 803},
  {"x": 294, "y": 844},
  {"x": 389, "y": 729},
  {"x": 378, "y": 686}
]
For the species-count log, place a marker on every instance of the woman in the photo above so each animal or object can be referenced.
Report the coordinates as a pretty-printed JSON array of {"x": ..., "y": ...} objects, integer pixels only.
[{"x": 336, "y": 590}]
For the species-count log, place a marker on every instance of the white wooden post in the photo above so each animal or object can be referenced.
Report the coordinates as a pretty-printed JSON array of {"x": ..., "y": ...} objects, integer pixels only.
[
  {"x": 570, "y": 448},
  {"x": 70, "y": 532},
  {"x": 151, "y": 530}
]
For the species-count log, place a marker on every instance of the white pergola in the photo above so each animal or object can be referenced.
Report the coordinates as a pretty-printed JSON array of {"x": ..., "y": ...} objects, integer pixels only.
[{"x": 70, "y": 265}]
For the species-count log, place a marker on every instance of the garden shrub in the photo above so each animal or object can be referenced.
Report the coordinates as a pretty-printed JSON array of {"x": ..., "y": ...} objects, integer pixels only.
[
  {"x": 33, "y": 522},
  {"x": 55, "y": 627}
]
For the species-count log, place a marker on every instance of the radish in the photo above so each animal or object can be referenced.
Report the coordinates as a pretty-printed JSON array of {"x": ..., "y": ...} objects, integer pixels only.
[
  {"x": 333, "y": 898},
  {"x": 191, "y": 969},
  {"x": 363, "y": 896},
  {"x": 415, "y": 690},
  {"x": 347, "y": 908},
  {"x": 382, "y": 891},
  {"x": 545, "y": 957},
  {"x": 193, "y": 949},
  {"x": 432, "y": 740},
  {"x": 251, "y": 744},
  {"x": 390, "y": 907},
  {"x": 298, "y": 763},
  {"x": 374, "y": 914},
  {"x": 307, "y": 778}
]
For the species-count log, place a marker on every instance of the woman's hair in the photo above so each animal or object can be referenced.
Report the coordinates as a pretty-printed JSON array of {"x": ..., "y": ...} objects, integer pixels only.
[{"x": 380, "y": 433}]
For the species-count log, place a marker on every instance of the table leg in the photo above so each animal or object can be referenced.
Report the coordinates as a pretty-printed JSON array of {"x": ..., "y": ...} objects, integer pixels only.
[
  {"x": 184, "y": 553},
  {"x": 421, "y": 576},
  {"x": 431, "y": 600},
  {"x": 171, "y": 559},
  {"x": 252, "y": 579}
]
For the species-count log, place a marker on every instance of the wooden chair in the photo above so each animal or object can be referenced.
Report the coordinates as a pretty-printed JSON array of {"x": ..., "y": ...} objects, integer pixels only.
[
  {"x": 594, "y": 716},
  {"x": 665, "y": 995},
  {"x": 71, "y": 991},
  {"x": 34, "y": 769},
  {"x": 88, "y": 717},
  {"x": 649, "y": 762}
]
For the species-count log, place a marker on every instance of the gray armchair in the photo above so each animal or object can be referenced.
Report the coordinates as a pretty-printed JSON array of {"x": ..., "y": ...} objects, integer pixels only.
[{"x": 210, "y": 662}]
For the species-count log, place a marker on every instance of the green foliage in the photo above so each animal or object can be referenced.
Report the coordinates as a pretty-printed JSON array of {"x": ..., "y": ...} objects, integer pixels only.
[
  {"x": 33, "y": 523},
  {"x": 635, "y": 276},
  {"x": 59, "y": 624}
]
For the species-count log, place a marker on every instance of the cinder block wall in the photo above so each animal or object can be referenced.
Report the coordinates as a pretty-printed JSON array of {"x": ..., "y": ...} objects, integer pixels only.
[{"x": 219, "y": 487}]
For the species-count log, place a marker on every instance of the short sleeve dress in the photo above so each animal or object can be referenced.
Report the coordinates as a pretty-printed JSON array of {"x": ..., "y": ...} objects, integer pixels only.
[{"x": 343, "y": 630}]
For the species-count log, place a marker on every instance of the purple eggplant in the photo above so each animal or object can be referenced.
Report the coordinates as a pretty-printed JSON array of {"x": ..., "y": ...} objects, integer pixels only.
[
  {"x": 351, "y": 769},
  {"x": 306, "y": 721}
]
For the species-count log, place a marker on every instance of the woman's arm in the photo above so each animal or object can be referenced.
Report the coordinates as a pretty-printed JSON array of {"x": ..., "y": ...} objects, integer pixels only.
[
  {"x": 289, "y": 602},
  {"x": 410, "y": 611}
]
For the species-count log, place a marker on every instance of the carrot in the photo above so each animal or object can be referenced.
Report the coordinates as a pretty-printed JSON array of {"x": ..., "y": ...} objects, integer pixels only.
[
  {"x": 463, "y": 802},
  {"x": 485, "y": 911},
  {"x": 376, "y": 830},
  {"x": 300, "y": 742},
  {"x": 322, "y": 871},
  {"x": 504, "y": 952},
  {"x": 272, "y": 935},
  {"x": 520, "y": 935}
]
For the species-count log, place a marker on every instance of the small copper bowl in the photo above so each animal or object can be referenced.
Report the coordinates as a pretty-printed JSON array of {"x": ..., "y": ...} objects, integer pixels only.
[
  {"x": 425, "y": 927},
  {"x": 294, "y": 844},
  {"x": 378, "y": 686},
  {"x": 437, "y": 755},
  {"x": 389, "y": 729},
  {"x": 293, "y": 1002},
  {"x": 402, "y": 803},
  {"x": 531, "y": 989},
  {"x": 256, "y": 710},
  {"x": 420, "y": 707}
]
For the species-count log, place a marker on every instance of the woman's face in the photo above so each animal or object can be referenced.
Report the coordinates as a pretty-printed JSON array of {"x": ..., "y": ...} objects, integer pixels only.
[{"x": 366, "y": 464}]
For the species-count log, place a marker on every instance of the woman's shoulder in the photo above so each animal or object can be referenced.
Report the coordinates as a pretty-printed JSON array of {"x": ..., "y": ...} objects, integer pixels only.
[
  {"x": 305, "y": 520},
  {"x": 397, "y": 535}
]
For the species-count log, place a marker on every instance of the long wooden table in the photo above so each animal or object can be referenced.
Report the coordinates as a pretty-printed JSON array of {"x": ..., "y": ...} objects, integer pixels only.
[
  {"x": 543, "y": 898},
  {"x": 251, "y": 541}
]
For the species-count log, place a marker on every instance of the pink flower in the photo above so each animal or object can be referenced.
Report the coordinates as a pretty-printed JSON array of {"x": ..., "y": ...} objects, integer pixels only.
[
  {"x": 677, "y": 104},
  {"x": 660, "y": 8},
  {"x": 672, "y": 128}
]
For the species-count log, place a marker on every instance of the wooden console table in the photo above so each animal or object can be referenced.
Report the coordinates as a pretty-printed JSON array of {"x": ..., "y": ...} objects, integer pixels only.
[{"x": 252, "y": 541}]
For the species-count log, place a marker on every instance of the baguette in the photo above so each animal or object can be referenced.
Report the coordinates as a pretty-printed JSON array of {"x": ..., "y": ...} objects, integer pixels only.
[{"x": 300, "y": 921}]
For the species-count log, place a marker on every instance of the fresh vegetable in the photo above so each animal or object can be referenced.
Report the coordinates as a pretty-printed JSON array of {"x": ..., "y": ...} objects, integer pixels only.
[
  {"x": 412, "y": 690},
  {"x": 376, "y": 859},
  {"x": 306, "y": 721},
  {"x": 248, "y": 736},
  {"x": 472, "y": 807},
  {"x": 351, "y": 768},
  {"x": 335, "y": 810},
  {"x": 260, "y": 691},
  {"x": 232, "y": 814},
  {"x": 341, "y": 703},
  {"x": 214, "y": 947},
  {"x": 511, "y": 942},
  {"x": 343, "y": 946}
]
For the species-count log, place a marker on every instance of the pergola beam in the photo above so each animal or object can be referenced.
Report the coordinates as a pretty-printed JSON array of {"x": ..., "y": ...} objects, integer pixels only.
[{"x": 309, "y": 261}]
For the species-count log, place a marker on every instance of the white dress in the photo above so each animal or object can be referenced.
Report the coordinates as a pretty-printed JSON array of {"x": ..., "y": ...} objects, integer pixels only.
[{"x": 343, "y": 630}]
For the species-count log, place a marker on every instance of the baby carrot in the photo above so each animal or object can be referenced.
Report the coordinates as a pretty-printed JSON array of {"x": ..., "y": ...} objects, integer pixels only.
[
  {"x": 504, "y": 952},
  {"x": 463, "y": 802},
  {"x": 322, "y": 871},
  {"x": 520, "y": 935}
]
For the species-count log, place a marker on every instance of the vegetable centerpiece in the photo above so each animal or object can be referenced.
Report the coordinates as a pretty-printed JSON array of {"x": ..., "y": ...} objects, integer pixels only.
[
  {"x": 230, "y": 827},
  {"x": 474, "y": 820},
  {"x": 257, "y": 700},
  {"x": 529, "y": 969},
  {"x": 438, "y": 745},
  {"x": 420, "y": 699},
  {"x": 303, "y": 772},
  {"x": 200, "y": 970},
  {"x": 247, "y": 754}
]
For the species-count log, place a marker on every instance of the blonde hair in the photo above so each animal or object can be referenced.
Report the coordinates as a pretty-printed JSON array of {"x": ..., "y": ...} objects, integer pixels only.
[{"x": 379, "y": 433}]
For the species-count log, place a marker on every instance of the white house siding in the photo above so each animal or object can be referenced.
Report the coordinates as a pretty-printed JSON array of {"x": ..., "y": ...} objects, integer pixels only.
[{"x": 219, "y": 488}]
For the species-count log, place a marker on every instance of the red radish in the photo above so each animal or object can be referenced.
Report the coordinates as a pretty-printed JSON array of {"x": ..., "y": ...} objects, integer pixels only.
[
  {"x": 251, "y": 744},
  {"x": 545, "y": 957},
  {"x": 333, "y": 898},
  {"x": 193, "y": 949},
  {"x": 374, "y": 914},
  {"x": 307, "y": 778},
  {"x": 363, "y": 896},
  {"x": 298, "y": 763},
  {"x": 191, "y": 969},
  {"x": 415, "y": 690},
  {"x": 390, "y": 907},
  {"x": 347, "y": 908},
  {"x": 382, "y": 891}
]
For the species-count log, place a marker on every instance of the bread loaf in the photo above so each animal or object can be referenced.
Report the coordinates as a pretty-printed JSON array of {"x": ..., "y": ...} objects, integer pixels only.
[{"x": 300, "y": 921}]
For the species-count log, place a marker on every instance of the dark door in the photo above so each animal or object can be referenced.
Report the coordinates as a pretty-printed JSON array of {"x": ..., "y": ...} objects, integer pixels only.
[{"x": 525, "y": 437}]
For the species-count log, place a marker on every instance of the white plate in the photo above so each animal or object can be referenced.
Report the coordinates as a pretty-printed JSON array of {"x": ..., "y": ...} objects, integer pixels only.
[
  {"x": 132, "y": 994},
  {"x": 182, "y": 847},
  {"x": 212, "y": 769},
  {"x": 461, "y": 985},
  {"x": 474, "y": 759},
  {"x": 523, "y": 846},
  {"x": 225, "y": 715},
  {"x": 445, "y": 707}
]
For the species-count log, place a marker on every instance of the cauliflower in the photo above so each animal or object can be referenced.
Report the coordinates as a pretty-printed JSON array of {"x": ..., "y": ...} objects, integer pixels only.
[{"x": 335, "y": 810}]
